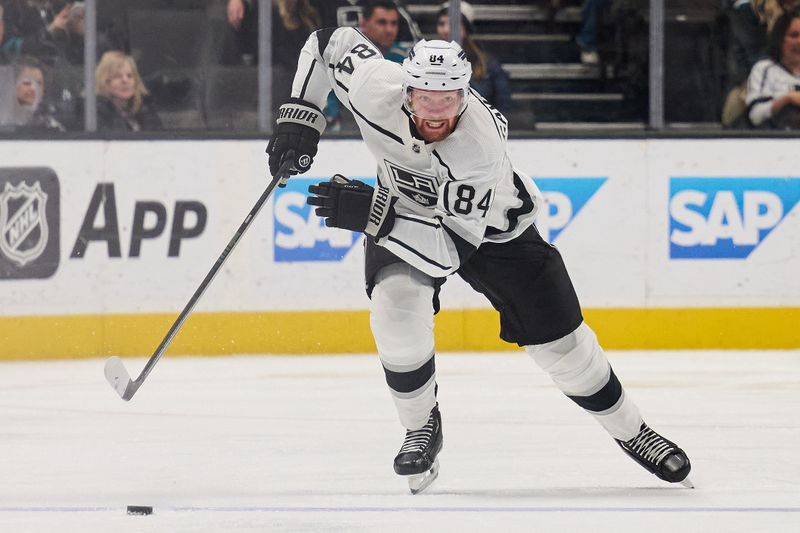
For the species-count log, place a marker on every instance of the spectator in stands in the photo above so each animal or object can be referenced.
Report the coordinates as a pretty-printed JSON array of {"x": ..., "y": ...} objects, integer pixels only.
[
  {"x": 587, "y": 37},
  {"x": 768, "y": 11},
  {"x": 773, "y": 88},
  {"x": 488, "y": 77},
  {"x": 23, "y": 30},
  {"x": 3, "y": 58},
  {"x": 66, "y": 33},
  {"x": 380, "y": 22},
  {"x": 748, "y": 43},
  {"x": 241, "y": 39},
  {"x": 750, "y": 21},
  {"x": 27, "y": 28},
  {"x": 749, "y": 36},
  {"x": 31, "y": 110},
  {"x": 329, "y": 11},
  {"x": 121, "y": 96},
  {"x": 292, "y": 22}
]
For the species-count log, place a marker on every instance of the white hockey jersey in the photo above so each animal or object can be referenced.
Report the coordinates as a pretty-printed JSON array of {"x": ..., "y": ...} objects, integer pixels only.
[
  {"x": 453, "y": 194},
  {"x": 768, "y": 80}
]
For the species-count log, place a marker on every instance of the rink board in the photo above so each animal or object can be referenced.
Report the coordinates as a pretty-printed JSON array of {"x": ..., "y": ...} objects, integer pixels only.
[{"x": 670, "y": 244}]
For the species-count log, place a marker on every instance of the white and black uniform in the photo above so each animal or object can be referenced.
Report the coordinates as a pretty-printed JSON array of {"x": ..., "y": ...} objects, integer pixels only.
[
  {"x": 462, "y": 208},
  {"x": 768, "y": 80},
  {"x": 452, "y": 195}
]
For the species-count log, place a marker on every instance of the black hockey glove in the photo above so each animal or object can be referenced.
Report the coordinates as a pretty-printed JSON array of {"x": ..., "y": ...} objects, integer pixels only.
[
  {"x": 297, "y": 132},
  {"x": 354, "y": 205}
]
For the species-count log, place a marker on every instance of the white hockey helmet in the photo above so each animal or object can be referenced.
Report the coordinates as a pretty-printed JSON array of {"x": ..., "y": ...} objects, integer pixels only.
[{"x": 436, "y": 66}]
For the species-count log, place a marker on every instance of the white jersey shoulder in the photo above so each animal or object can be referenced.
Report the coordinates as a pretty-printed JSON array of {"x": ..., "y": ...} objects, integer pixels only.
[{"x": 768, "y": 80}]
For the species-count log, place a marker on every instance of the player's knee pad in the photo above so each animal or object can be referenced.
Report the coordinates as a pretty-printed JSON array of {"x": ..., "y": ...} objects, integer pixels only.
[
  {"x": 401, "y": 316},
  {"x": 575, "y": 362}
]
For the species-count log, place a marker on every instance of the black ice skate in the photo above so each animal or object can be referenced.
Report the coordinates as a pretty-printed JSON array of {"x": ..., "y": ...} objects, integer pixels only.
[
  {"x": 417, "y": 457},
  {"x": 660, "y": 456}
]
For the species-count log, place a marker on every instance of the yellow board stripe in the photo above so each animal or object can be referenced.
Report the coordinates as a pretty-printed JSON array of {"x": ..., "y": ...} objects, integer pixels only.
[{"x": 313, "y": 332}]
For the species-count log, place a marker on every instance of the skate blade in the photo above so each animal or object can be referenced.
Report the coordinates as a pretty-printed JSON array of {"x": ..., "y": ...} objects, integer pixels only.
[
  {"x": 419, "y": 482},
  {"x": 687, "y": 483}
]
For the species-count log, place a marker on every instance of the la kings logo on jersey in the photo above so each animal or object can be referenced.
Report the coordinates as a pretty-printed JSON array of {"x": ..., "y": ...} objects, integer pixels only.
[
  {"x": 422, "y": 189},
  {"x": 29, "y": 229}
]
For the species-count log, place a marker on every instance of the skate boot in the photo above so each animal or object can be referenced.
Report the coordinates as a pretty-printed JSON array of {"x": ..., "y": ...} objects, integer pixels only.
[
  {"x": 660, "y": 456},
  {"x": 417, "y": 457}
]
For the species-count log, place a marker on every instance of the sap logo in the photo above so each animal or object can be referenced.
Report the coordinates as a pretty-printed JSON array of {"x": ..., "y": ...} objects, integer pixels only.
[
  {"x": 726, "y": 218},
  {"x": 565, "y": 198},
  {"x": 299, "y": 234}
]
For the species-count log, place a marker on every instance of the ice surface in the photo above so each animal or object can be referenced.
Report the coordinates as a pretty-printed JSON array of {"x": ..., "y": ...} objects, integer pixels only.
[{"x": 273, "y": 443}]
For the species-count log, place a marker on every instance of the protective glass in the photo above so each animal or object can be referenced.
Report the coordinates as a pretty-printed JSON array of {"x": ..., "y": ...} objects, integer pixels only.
[{"x": 435, "y": 105}]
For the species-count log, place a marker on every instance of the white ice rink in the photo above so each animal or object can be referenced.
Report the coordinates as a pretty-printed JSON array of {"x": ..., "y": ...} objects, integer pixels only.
[{"x": 306, "y": 444}]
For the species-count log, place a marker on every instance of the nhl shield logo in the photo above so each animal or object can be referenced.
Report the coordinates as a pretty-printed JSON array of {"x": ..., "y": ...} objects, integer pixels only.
[{"x": 23, "y": 224}]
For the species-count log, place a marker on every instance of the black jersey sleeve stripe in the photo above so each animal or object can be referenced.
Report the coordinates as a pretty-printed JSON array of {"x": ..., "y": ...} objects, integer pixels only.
[
  {"x": 515, "y": 213},
  {"x": 441, "y": 162},
  {"x": 323, "y": 38},
  {"x": 758, "y": 101},
  {"x": 342, "y": 85},
  {"x": 464, "y": 249},
  {"x": 375, "y": 126},
  {"x": 446, "y": 197},
  {"x": 526, "y": 207},
  {"x": 418, "y": 221},
  {"x": 764, "y": 78},
  {"x": 308, "y": 77},
  {"x": 451, "y": 179},
  {"x": 492, "y": 231},
  {"x": 415, "y": 252}
]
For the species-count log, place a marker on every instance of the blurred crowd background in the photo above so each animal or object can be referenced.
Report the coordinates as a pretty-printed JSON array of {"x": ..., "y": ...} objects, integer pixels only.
[{"x": 193, "y": 66}]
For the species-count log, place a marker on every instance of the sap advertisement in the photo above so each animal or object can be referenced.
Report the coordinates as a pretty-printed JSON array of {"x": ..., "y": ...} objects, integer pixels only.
[
  {"x": 301, "y": 236},
  {"x": 726, "y": 218},
  {"x": 119, "y": 227}
]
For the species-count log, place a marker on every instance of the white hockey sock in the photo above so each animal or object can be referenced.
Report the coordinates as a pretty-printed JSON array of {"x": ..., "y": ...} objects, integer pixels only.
[
  {"x": 401, "y": 318},
  {"x": 579, "y": 368}
]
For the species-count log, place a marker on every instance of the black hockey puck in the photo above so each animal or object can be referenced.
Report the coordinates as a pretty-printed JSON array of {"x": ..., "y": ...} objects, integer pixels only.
[{"x": 140, "y": 509}]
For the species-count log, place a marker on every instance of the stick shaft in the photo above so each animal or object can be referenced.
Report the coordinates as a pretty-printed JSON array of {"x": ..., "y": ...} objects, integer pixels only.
[{"x": 176, "y": 326}]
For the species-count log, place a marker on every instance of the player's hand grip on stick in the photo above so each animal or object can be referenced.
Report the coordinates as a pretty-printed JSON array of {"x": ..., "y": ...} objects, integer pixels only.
[
  {"x": 116, "y": 374},
  {"x": 354, "y": 205},
  {"x": 296, "y": 136}
]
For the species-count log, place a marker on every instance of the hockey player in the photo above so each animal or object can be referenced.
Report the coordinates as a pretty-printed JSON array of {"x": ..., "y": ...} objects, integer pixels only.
[{"x": 448, "y": 201}]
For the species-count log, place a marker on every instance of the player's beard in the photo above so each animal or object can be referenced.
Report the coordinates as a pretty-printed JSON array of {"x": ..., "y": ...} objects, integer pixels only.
[{"x": 433, "y": 133}]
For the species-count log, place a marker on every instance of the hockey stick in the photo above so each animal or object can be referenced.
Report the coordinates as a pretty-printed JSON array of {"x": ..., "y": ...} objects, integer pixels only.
[{"x": 116, "y": 374}]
